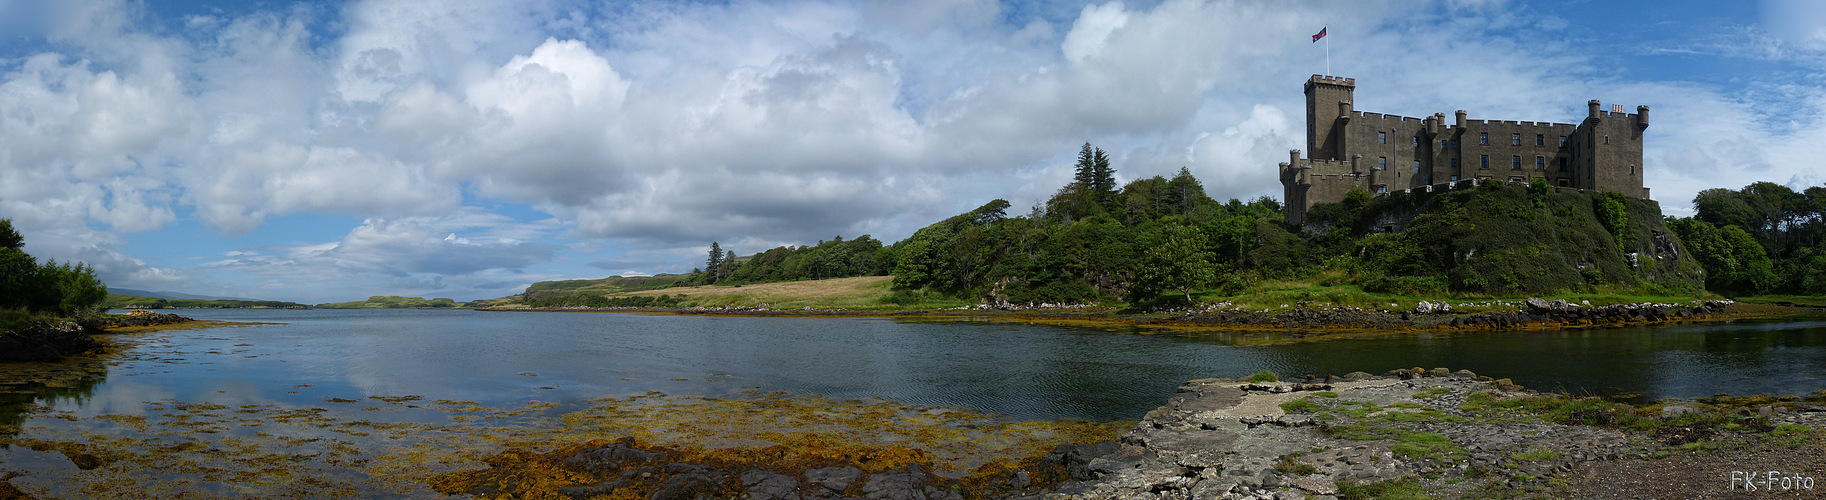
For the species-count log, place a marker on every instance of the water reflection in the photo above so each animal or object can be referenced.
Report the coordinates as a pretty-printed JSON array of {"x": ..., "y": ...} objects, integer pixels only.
[
  {"x": 1023, "y": 371},
  {"x": 26, "y": 386}
]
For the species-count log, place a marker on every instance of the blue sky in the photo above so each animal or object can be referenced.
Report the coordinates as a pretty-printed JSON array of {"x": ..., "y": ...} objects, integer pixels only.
[{"x": 327, "y": 151}]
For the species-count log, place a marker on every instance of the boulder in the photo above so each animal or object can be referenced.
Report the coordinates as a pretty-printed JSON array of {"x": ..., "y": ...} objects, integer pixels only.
[
  {"x": 764, "y": 485},
  {"x": 834, "y": 478}
]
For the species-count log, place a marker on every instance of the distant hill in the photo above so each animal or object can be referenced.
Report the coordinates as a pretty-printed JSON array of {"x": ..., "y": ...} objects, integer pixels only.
[
  {"x": 172, "y": 295},
  {"x": 119, "y": 301},
  {"x": 395, "y": 302}
]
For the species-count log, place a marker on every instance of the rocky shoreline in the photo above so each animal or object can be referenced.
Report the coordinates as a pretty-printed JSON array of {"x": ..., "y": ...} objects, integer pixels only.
[
  {"x": 1529, "y": 313},
  {"x": 43, "y": 340},
  {"x": 1414, "y": 432},
  {"x": 46, "y": 341},
  {"x": 1448, "y": 434}
]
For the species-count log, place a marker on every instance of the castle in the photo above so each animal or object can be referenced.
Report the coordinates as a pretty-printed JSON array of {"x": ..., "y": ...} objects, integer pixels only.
[{"x": 1350, "y": 149}]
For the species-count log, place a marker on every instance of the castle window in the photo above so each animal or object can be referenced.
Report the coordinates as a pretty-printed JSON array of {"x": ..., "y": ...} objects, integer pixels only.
[
  {"x": 1483, "y": 137},
  {"x": 1382, "y": 163},
  {"x": 1486, "y": 163},
  {"x": 1515, "y": 139},
  {"x": 1382, "y": 138},
  {"x": 1562, "y": 164},
  {"x": 1565, "y": 183},
  {"x": 1515, "y": 162},
  {"x": 1607, "y": 139},
  {"x": 1455, "y": 165},
  {"x": 1540, "y": 163},
  {"x": 1416, "y": 166},
  {"x": 1444, "y": 143},
  {"x": 1632, "y": 170},
  {"x": 1417, "y": 141},
  {"x": 1540, "y": 140},
  {"x": 1454, "y": 143},
  {"x": 1454, "y": 178},
  {"x": 1562, "y": 141}
]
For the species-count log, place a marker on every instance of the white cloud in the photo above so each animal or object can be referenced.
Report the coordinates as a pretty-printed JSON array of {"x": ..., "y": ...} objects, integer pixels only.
[
  {"x": 1091, "y": 32},
  {"x": 651, "y": 128}
]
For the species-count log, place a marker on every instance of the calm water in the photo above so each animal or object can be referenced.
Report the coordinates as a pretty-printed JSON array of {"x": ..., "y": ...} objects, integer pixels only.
[
  {"x": 1021, "y": 371},
  {"x": 374, "y": 403}
]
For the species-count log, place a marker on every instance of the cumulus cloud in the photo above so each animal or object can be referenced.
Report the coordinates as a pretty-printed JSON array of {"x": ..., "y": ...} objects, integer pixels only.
[
  {"x": 646, "y": 130},
  {"x": 468, "y": 251}
]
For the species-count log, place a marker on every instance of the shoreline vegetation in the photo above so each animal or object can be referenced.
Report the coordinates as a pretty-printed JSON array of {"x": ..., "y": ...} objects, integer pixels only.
[
  {"x": 1410, "y": 433},
  {"x": 1283, "y": 306}
]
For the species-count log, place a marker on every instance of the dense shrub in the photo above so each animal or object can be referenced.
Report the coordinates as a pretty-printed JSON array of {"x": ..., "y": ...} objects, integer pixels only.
[{"x": 64, "y": 289}]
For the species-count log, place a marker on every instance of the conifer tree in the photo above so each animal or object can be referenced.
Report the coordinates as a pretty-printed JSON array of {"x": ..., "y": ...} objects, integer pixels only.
[
  {"x": 728, "y": 266},
  {"x": 1103, "y": 178},
  {"x": 1084, "y": 173},
  {"x": 714, "y": 264}
]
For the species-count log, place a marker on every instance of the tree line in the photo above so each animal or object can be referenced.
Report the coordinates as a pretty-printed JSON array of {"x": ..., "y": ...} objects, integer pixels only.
[
  {"x": 1762, "y": 239},
  {"x": 834, "y": 258},
  {"x": 68, "y": 289},
  {"x": 1090, "y": 241}
]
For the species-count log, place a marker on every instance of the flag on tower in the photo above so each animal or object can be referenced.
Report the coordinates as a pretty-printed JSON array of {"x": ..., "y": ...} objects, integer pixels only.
[{"x": 1315, "y": 38}]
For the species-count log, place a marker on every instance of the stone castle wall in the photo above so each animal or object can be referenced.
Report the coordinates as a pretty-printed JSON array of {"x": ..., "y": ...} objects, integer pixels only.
[{"x": 1377, "y": 152}]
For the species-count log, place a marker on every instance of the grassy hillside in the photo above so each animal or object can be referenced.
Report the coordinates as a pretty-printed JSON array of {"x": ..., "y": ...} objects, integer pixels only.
[
  {"x": 1508, "y": 240},
  {"x": 395, "y": 302},
  {"x": 117, "y": 301},
  {"x": 604, "y": 286}
]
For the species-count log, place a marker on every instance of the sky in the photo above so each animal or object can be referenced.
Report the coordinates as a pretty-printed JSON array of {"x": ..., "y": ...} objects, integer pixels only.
[{"x": 329, "y": 151}]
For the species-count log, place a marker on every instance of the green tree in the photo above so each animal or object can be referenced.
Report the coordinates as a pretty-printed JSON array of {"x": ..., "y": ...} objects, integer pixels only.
[
  {"x": 1733, "y": 260},
  {"x": 1177, "y": 261},
  {"x": 727, "y": 267},
  {"x": 1103, "y": 180},
  {"x": 1073, "y": 202},
  {"x": 8, "y": 237},
  {"x": 914, "y": 268},
  {"x": 1231, "y": 239},
  {"x": 714, "y": 265},
  {"x": 78, "y": 290},
  {"x": 1186, "y": 193},
  {"x": 1085, "y": 171},
  {"x": 1094, "y": 173},
  {"x": 66, "y": 289},
  {"x": 22, "y": 283}
]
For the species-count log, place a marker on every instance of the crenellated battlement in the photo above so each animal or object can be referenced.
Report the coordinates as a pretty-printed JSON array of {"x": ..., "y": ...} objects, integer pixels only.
[
  {"x": 1380, "y": 152},
  {"x": 1333, "y": 80}
]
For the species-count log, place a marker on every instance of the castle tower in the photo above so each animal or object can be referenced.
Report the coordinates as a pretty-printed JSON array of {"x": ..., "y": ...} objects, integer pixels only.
[{"x": 1328, "y": 110}]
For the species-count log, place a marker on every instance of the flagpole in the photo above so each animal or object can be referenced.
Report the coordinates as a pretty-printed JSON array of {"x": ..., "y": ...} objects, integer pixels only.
[{"x": 1328, "y": 55}]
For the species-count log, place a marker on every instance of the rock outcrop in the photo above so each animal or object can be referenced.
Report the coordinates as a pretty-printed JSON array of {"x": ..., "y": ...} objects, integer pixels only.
[
  {"x": 45, "y": 341},
  {"x": 1451, "y": 432}
]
